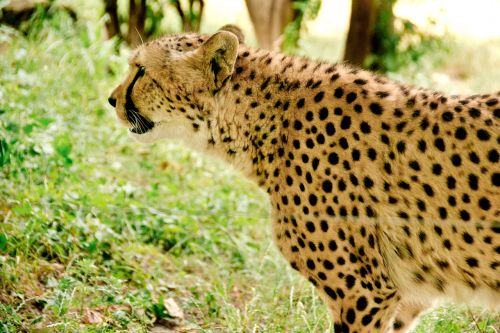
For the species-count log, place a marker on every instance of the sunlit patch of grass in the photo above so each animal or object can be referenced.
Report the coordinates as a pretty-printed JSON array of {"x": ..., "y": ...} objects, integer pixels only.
[
  {"x": 465, "y": 67},
  {"x": 451, "y": 319},
  {"x": 97, "y": 232}
]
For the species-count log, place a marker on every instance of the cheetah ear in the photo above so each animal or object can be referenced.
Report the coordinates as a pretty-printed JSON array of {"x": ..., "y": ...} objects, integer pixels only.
[
  {"x": 218, "y": 56},
  {"x": 235, "y": 30}
]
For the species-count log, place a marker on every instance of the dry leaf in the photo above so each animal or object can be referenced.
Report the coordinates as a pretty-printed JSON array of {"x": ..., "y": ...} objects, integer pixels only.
[
  {"x": 173, "y": 309},
  {"x": 164, "y": 165},
  {"x": 119, "y": 307},
  {"x": 92, "y": 317},
  {"x": 237, "y": 297}
]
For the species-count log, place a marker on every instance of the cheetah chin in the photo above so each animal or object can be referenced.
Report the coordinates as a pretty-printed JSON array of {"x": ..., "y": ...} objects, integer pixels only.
[{"x": 154, "y": 134}]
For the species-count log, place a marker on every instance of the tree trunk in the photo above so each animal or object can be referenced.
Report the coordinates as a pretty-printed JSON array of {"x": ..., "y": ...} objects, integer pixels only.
[
  {"x": 269, "y": 18},
  {"x": 190, "y": 18},
  {"x": 195, "y": 25},
  {"x": 384, "y": 35},
  {"x": 361, "y": 29},
  {"x": 136, "y": 20},
  {"x": 112, "y": 23}
]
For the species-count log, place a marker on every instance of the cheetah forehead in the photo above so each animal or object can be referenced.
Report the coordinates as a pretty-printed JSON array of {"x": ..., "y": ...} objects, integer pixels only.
[{"x": 170, "y": 45}]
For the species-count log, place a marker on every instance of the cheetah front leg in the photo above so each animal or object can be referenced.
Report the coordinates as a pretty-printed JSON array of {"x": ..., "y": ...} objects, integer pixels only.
[
  {"x": 352, "y": 276},
  {"x": 362, "y": 311},
  {"x": 345, "y": 263}
]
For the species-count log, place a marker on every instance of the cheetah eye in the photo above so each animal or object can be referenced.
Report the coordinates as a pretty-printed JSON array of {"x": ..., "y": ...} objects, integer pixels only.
[{"x": 141, "y": 71}]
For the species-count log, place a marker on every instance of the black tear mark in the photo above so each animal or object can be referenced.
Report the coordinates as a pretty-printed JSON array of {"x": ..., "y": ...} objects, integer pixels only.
[{"x": 141, "y": 123}]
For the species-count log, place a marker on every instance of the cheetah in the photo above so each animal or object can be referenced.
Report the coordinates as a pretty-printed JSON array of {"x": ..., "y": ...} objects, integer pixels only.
[{"x": 384, "y": 196}]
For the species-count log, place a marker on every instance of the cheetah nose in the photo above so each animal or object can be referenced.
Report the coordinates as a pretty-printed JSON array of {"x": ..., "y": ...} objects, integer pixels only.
[{"x": 112, "y": 101}]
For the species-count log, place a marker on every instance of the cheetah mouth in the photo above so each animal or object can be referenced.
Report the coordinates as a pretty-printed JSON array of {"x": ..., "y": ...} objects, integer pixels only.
[
  {"x": 142, "y": 126},
  {"x": 146, "y": 127}
]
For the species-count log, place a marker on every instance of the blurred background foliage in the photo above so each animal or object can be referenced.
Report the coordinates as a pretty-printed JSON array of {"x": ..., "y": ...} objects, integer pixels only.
[
  {"x": 100, "y": 234},
  {"x": 377, "y": 39}
]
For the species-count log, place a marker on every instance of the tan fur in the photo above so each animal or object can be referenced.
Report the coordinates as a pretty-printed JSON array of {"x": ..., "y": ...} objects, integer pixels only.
[{"x": 386, "y": 197}]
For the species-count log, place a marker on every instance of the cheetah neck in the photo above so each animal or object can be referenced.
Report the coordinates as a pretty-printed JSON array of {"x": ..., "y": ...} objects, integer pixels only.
[{"x": 247, "y": 127}]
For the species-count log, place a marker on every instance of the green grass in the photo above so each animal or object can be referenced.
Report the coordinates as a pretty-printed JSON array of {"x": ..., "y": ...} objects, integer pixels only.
[{"x": 100, "y": 234}]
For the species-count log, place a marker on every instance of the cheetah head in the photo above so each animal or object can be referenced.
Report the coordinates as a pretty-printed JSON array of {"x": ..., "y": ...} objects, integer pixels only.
[{"x": 171, "y": 87}]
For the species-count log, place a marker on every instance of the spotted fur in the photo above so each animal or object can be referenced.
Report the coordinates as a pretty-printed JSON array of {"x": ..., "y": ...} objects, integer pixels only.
[{"x": 386, "y": 197}]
